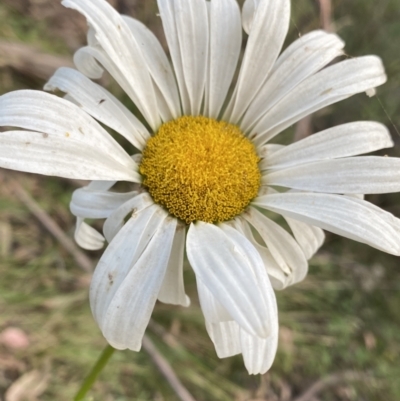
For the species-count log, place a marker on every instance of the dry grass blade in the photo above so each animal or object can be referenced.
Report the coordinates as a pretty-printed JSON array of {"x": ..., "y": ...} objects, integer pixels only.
[
  {"x": 167, "y": 371},
  {"x": 30, "y": 61},
  {"x": 81, "y": 259},
  {"x": 329, "y": 381}
]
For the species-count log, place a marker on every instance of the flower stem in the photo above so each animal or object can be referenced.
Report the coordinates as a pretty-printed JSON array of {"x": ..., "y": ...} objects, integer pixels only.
[{"x": 97, "y": 368}]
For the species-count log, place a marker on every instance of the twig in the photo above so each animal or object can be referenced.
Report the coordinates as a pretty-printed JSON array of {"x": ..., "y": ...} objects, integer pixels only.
[
  {"x": 81, "y": 259},
  {"x": 330, "y": 380},
  {"x": 325, "y": 7},
  {"x": 167, "y": 371},
  {"x": 30, "y": 61}
]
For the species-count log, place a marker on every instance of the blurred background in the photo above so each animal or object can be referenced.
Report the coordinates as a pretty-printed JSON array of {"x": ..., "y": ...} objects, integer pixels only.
[{"x": 340, "y": 328}]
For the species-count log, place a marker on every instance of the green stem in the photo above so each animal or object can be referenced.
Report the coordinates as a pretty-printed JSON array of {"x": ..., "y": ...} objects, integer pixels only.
[{"x": 97, "y": 368}]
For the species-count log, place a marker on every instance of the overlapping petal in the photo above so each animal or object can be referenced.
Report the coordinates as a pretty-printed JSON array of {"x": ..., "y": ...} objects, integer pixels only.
[
  {"x": 328, "y": 86},
  {"x": 57, "y": 144},
  {"x": 353, "y": 175},
  {"x": 347, "y": 216},
  {"x": 236, "y": 264},
  {"x": 225, "y": 45},
  {"x": 337, "y": 142},
  {"x": 303, "y": 58},
  {"x": 268, "y": 31},
  {"x": 100, "y": 104},
  {"x": 173, "y": 289},
  {"x": 129, "y": 276},
  {"x": 118, "y": 43},
  {"x": 285, "y": 250},
  {"x": 159, "y": 67}
]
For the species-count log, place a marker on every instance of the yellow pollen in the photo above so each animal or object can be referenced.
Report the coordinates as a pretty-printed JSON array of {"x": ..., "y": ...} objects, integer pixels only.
[{"x": 199, "y": 168}]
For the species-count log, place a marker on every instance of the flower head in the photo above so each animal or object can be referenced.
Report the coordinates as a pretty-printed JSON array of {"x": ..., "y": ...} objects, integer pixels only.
[{"x": 205, "y": 170}]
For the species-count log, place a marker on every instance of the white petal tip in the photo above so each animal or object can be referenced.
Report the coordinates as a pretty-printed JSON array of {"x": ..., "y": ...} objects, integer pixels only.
[{"x": 371, "y": 92}]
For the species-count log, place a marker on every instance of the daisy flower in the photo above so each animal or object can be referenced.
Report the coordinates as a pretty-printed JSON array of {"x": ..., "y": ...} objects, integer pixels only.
[{"x": 205, "y": 169}]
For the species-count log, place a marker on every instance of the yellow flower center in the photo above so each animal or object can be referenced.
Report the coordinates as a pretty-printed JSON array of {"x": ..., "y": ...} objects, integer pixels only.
[{"x": 199, "y": 168}]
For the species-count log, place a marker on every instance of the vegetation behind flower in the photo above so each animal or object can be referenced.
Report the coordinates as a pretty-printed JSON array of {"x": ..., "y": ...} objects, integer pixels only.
[{"x": 343, "y": 317}]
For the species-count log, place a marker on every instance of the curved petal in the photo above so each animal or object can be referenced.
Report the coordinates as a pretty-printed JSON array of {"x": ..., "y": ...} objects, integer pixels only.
[
  {"x": 173, "y": 288},
  {"x": 226, "y": 338},
  {"x": 115, "y": 221},
  {"x": 92, "y": 204},
  {"x": 234, "y": 273},
  {"x": 87, "y": 237},
  {"x": 259, "y": 353},
  {"x": 69, "y": 143},
  {"x": 129, "y": 276},
  {"x": 337, "y": 142},
  {"x": 268, "y": 32},
  {"x": 100, "y": 104},
  {"x": 303, "y": 58},
  {"x": 357, "y": 175},
  {"x": 328, "y": 86},
  {"x": 282, "y": 245},
  {"x": 158, "y": 65},
  {"x": 350, "y": 217},
  {"x": 87, "y": 64},
  {"x": 309, "y": 238},
  {"x": 116, "y": 39},
  {"x": 225, "y": 45},
  {"x": 248, "y": 11}
]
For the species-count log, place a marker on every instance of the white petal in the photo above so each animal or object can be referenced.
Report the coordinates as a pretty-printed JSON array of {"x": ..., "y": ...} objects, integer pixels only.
[
  {"x": 350, "y": 217},
  {"x": 301, "y": 59},
  {"x": 87, "y": 237},
  {"x": 116, "y": 39},
  {"x": 158, "y": 65},
  {"x": 259, "y": 353},
  {"x": 266, "y": 151},
  {"x": 268, "y": 32},
  {"x": 129, "y": 276},
  {"x": 116, "y": 219},
  {"x": 309, "y": 238},
  {"x": 100, "y": 104},
  {"x": 357, "y": 175},
  {"x": 167, "y": 14},
  {"x": 212, "y": 309},
  {"x": 328, "y": 86},
  {"x": 225, "y": 45},
  {"x": 92, "y": 204},
  {"x": 87, "y": 64},
  {"x": 282, "y": 245},
  {"x": 69, "y": 143},
  {"x": 173, "y": 289},
  {"x": 341, "y": 141},
  {"x": 279, "y": 278},
  {"x": 192, "y": 29},
  {"x": 234, "y": 273},
  {"x": 248, "y": 11},
  {"x": 225, "y": 336}
]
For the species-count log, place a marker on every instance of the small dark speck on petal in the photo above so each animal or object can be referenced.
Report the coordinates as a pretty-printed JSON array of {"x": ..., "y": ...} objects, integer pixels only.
[{"x": 45, "y": 135}]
